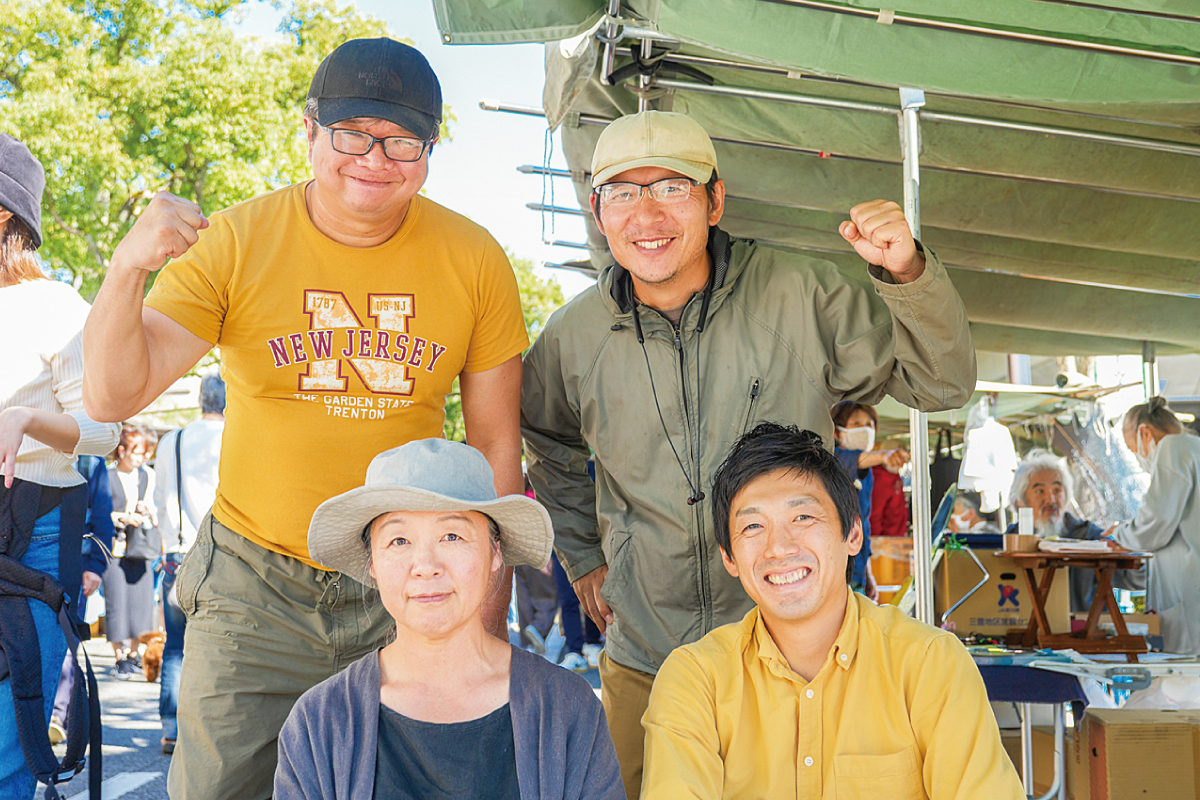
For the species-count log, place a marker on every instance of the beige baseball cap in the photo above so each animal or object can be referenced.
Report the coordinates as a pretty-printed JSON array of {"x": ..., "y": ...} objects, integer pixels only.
[{"x": 654, "y": 139}]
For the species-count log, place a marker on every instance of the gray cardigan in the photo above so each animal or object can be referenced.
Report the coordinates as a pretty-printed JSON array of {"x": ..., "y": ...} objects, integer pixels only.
[{"x": 327, "y": 746}]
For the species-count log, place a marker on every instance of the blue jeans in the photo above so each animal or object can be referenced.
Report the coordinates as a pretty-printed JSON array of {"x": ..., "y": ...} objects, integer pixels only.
[
  {"x": 172, "y": 659},
  {"x": 578, "y": 628},
  {"x": 16, "y": 781}
]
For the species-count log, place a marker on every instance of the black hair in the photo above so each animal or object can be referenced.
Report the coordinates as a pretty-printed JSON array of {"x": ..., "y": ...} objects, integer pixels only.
[
  {"x": 843, "y": 409},
  {"x": 711, "y": 187},
  {"x": 770, "y": 447}
]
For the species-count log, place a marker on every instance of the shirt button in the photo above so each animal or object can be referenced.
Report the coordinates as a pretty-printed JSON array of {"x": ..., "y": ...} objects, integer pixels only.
[
  {"x": 808, "y": 762},
  {"x": 809, "y": 694},
  {"x": 844, "y": 657}
]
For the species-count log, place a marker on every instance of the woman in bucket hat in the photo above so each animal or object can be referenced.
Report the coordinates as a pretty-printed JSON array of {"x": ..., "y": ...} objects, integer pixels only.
[
  {"x": 445, "y": 709},
  {"x": 42, "y": 428}
]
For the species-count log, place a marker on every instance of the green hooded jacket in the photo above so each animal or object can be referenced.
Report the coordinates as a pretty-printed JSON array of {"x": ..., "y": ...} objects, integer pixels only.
[{"x": 783, "y": 337}]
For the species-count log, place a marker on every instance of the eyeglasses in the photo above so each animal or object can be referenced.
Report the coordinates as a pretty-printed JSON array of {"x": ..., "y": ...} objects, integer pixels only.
[
  {"x": 359, "y": 143},
  {"x": 667, "y": 190}
]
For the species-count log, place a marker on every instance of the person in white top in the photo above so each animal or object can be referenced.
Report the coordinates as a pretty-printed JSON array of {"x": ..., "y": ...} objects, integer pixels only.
[
  {"x": 1168, "y": 523},
  {"x": 42, "y": 428},
  {"x": 183, "y": 494}
]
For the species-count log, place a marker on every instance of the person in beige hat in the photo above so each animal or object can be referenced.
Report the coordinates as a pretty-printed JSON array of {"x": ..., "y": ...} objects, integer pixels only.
[
  {"x": 445, "y": 709},
  {"x": 684, "y": 343}
]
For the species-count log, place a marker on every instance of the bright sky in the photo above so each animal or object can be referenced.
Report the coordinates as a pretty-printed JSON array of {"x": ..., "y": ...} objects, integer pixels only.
[{"x": 476, "y": 174}]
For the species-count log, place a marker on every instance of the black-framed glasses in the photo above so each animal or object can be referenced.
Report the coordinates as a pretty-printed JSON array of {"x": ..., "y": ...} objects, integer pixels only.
[
  {"x": 667, "y": 190},
  {"x": 359, "y": 143}
]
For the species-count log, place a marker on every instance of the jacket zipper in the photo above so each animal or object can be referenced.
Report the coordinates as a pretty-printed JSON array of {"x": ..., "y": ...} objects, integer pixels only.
[
  {"x": 698, "y": 508},
  {"x": 750, "y": 408}
]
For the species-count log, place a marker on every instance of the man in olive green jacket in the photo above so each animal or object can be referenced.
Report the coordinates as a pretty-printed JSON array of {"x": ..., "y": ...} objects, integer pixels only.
[{"x": 679, "y": 348}]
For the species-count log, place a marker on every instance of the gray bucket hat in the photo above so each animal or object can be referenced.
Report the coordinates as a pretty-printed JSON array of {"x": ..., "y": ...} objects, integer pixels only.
[
  {"x": 426, "y": 475},
  {"x": 22, "y": 181}
]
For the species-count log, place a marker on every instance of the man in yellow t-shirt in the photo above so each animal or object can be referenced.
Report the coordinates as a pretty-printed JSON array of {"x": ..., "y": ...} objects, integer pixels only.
[
  {"x": 344, "y": 307},
  {"x": 817, "y": 692}
]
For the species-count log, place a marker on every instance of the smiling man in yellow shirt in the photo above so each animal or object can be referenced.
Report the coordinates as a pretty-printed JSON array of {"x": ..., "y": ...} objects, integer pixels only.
[{"x": 817, "y": 692}]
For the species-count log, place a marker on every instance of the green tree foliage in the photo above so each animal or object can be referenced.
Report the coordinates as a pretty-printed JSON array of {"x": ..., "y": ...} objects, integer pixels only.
[
  {"x": 121, "y": 99},
  {"x": 539, "y": 299}
]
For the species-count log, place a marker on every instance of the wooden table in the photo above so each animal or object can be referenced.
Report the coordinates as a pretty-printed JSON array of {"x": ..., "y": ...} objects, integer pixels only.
[{"x": 1090, "y": 639}]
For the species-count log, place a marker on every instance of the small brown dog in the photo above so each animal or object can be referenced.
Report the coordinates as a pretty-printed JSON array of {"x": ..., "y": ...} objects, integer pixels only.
[{"x": 152, "y": 657}]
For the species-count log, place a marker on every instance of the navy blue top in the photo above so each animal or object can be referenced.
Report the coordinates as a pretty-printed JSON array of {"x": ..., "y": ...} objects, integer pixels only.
[
  {"x": 440, "y": 761},
  {"x": 865, "y": 480}
]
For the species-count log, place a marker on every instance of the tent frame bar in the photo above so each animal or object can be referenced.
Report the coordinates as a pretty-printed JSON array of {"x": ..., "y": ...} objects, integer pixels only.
[
  {"x": 892, "y": 18},
  {"x": 587, "y": 119},
  {"x": 1130, "y": 11},
  {"x": 987, "y": 122},
  {"x": 570, "y": 212},
  {"x": 721, "y": 63}
]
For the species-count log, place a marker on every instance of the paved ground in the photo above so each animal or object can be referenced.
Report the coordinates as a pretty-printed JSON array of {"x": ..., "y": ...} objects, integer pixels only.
[{"x": 134, "y": 766}]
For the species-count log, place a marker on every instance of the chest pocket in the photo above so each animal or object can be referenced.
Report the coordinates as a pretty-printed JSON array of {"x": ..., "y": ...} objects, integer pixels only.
[{"x": 896, "y": 776}]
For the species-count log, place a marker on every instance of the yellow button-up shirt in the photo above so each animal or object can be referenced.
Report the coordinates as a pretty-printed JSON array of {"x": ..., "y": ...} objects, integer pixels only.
[{"x": 897, "y": 712}]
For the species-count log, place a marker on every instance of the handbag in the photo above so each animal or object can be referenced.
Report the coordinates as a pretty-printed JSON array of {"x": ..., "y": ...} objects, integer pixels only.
[
  {"x": 142, "y": 544},
  {"x": 943, "y": 473}
]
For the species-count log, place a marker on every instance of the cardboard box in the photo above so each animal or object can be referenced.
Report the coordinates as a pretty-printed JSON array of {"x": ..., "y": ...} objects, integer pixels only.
[
  {"x": 1000, "y": 604},
  {"x": 891, "y": 562},
  {"x": 1043, "y": 756},
  {"x": 1149, "y": 755},
  {"x": 1080, "y": 779}
]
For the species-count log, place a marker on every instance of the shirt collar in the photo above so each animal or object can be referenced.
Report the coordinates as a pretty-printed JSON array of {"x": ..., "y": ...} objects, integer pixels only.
[
  {"x": 768, "y": 652},
  {"x": 845, "y": 646},
  {"x": 844, "y": 649}
]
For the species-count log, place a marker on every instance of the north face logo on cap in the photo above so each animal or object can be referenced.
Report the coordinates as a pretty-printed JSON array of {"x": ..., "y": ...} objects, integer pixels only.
[{"x": 388, "y": 80}]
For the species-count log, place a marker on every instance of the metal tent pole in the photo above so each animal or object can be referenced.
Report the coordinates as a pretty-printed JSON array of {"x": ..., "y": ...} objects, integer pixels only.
[
  {"x": 610, "y": 39},
  {"x": 911, "y": 101},
  {"x": 644, "y": 81},
  {"x": 891, "y": 17},
  {"x": 1140, "y": 142},
  {"x": 1149, "y": 370}
]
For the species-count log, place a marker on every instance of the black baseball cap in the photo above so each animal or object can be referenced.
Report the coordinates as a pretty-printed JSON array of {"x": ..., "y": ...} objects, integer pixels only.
[{"x": 379, "y": 78}]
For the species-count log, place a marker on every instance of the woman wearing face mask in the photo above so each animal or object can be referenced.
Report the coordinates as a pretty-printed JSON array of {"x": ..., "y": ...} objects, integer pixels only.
[
  {"x": 1168, "y": 523},
  {"x": 854, "y": 438}
]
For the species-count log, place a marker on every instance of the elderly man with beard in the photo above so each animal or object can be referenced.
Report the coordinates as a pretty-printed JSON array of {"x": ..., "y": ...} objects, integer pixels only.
[{"x": 1043, "y": 483}]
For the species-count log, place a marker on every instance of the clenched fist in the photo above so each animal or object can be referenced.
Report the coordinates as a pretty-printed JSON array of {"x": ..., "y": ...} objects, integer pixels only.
[
  {"x": 880, "y": 234},
  {"x": 165, "y": 230}
]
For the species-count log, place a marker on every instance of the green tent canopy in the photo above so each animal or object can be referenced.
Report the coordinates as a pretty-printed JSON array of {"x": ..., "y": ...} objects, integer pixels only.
[{"x": 1060, "y": 140}]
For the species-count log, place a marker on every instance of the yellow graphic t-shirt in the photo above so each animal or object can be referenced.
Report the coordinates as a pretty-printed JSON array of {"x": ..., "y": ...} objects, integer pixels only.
[{"x": 333, "y": 354}]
